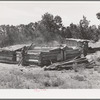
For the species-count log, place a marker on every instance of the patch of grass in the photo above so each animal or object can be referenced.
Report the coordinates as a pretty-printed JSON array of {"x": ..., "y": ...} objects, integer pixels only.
[
  {"x": 29, "y": 76},
  {"x": 47, "y": 75},
  {"x": 44, "y": 79},
  {"x": 15, "y": 83},
  {"x": 11, "y": 81}
]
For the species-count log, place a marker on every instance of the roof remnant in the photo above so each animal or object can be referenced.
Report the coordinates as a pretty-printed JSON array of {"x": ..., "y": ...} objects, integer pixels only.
[
  {"x": 14, "y": 47},
  {"x": 36, "y": 48}
]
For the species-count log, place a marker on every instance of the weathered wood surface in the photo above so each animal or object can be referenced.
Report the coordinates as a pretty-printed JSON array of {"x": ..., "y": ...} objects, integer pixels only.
[
  {"x": 66, "y": 64},
  {"x": 6, "y": 56},
  {"x": 8, "y": 62},
  {"x": 43, "y": 56},
  {"x": 69, "y": 52},
  {"x": 32, "y": 56}
]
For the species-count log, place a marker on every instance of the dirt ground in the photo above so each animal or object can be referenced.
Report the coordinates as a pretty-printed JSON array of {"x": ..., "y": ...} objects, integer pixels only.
[{"x": 34, "y": 77}]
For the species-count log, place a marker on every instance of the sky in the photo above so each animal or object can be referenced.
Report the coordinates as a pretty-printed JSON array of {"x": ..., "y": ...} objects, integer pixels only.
[{"x": 24, "y": 12}]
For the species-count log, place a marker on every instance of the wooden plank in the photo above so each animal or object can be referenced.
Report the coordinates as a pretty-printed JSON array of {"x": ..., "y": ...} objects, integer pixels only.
[
  {"x": 5, "y": 58},
  {"x": 33, "y": 54},
  {"x": 80, "y": 60},
  {"x": 33, "y": 60},
  {"x": 56, "y": 50},
  {"x": 49, "y": 54},
  {"x": 34, "y": 51},
  {"x": 72, "y": 52},
  {"x": 52, "y": 55},
  {"x": 49, "y": 58},
  {"x": 45, "y": 53},
  {"x": 6, "y": 53},
  {"x": 65, "y": 64},
  {"x": 32, "y": 57},
  {"x": 8, "y": 62}
]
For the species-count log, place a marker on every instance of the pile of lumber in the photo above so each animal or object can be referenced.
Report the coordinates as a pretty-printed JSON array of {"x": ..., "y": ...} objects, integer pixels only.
[{"x": 66, "y": 64}]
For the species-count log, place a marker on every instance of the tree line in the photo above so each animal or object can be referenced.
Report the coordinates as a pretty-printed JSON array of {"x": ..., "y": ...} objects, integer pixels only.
[{"x": 49, "y": 28}]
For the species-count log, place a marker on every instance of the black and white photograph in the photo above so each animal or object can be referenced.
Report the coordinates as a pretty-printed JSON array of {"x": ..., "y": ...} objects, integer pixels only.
[{"x": 49, "y": 45}]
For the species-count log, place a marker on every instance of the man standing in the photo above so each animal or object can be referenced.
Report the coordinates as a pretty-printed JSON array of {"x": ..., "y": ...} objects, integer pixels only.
[{"x": 24, "y": 55}]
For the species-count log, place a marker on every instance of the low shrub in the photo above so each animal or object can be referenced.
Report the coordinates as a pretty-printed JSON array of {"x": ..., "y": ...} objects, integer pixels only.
[
  {"x": 79, "y": 77},
  {"x": 57, "y": 82},
  {"x": 52, "y": 81}
]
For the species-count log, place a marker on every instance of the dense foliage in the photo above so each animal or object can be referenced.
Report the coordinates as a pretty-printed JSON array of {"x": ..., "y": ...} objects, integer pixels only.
[{"x": 50, "y": 28}]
